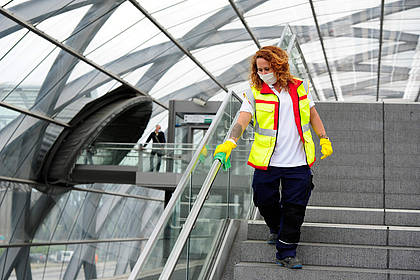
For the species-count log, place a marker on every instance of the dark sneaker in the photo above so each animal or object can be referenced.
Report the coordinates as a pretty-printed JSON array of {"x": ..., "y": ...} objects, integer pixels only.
[
  {"x": 272, "y": 240},
  {"x": 290, "y": 262}
]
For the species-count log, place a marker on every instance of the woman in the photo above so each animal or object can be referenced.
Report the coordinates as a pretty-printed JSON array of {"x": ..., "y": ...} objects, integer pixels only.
[{"x": 283, "y": 149}]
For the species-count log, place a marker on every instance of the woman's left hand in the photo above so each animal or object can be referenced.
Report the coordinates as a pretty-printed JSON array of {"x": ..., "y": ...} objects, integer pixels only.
[{"x": 326, "y": 147}]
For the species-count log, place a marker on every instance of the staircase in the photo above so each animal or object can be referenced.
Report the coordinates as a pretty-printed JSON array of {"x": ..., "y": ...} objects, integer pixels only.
[
  {"x": 335, "y": 251},
  {"x": 363, "y": 218}
]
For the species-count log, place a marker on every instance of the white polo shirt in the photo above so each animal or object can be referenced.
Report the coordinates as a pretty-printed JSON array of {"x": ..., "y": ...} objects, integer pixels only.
[{"x": 289, "y": 151}]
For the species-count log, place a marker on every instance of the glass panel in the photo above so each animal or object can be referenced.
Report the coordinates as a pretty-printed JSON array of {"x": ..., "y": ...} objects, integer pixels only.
[
  {"x": 58, "y": 260},
  {"x": 229, "y": 197},
  {"x": 400, "y": 61},
  {"x": 14, "y": 206},
  {"x": 345, "y": 46},
  {"x": 19, "y": 148},
  {"x": 272, "y": 17},
  {"x": 7, "y": 42},
  {"x": 183, "y": 17},
  {"x": 298, "y": 68},
  {"x": 84, "y": 216},
  {"x": 40, "y": 81},
  {"x": 279, "y": 13},
  {"x": 6, "y": 117},
  {"x": 138, "y": 155},
  {"x": 73, "y": 18},
  {"x": 115, "y": 258},
  {"x": 178, "y": 79},
  {"x": 70, "y": 21},
  {"x": 220, "y": 59},
  {"x": 23, "y": 77},
  {"x": 49, "y": 80},
  {"x": 72, "y": 217}
]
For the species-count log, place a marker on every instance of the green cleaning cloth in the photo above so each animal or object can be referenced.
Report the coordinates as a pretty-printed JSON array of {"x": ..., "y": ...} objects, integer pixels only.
[{"x": 225, "y": 163}]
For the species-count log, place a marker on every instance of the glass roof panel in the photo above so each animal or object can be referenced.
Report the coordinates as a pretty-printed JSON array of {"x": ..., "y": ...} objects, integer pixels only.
[
  {"x": 9, "y": 41},
  {"x": 276, "y": 13},
  {"x": 17, "y": 64},
  {"x": 92, "y": 85},
  {"x": 182, "y": 74},
  {"x": 127, "y": 25},
  {"x": 337, "y": 20},
  {"x": 181, "y": 18},
  {"x": 14, "y": 142},
  {"x": 11, "y": 3},
  {"x": 48, "y": 15},
  {"x": 68, "y": 22},
  {"x": 219, "y": 58},
  {"x": 400, "y": 63},
  {"x": 7, "y": 116},
  {"x": 133, "y": 76},
  {"x": 48, "y": 80},
  {"x": 157, "y": 6}
]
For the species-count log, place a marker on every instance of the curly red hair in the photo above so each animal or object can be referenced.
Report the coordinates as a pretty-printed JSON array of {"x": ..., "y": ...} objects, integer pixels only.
[{"x": 279, "y": 62}]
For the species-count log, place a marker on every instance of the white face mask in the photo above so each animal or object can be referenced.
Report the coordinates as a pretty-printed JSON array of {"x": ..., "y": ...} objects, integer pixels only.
[{"x": 269, "y": 78}]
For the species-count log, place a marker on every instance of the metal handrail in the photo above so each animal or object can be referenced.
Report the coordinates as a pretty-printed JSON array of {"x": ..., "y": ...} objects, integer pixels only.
[
  {"x": 192, "y": 217},
  {"x": 178, "y": 191}
]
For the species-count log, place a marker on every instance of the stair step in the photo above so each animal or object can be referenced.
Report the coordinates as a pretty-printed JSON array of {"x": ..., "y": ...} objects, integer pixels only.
[
  {"x": 367, "y": 216},
  {"x": 364, "y": 199},
  {"x": 344, "y": 215},
  {"x": 265, "y": 271},
  {"x": 346, "y": 199},
  {"x": 346, "y": 234},
  {"x": 361, "y": 256}
]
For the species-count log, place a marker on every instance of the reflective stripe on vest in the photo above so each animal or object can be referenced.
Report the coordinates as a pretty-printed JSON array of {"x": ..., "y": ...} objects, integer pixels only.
[
  {"x": 266, "y": 123},
  {"x": 263, "y": 131}
]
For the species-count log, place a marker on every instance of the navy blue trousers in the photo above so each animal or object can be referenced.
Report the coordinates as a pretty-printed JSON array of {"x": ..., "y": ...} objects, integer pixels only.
[{"x": 284, "y": 215}]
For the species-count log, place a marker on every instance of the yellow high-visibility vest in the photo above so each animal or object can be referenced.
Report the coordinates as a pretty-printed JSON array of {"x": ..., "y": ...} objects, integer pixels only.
[{"x": 266, "y": 123}]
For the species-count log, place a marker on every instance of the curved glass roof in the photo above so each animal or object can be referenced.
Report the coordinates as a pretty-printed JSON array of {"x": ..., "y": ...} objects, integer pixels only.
[
  {"x": 356, "y": 51},
  {"x": 55, "y": 56},
  {"x": 58, "y": 55}
]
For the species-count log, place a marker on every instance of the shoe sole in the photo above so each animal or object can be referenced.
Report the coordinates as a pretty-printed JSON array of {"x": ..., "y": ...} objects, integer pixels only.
[{"x": 297, "y": 266}]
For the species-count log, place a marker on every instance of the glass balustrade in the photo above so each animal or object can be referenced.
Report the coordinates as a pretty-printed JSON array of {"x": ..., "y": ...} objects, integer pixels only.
[{"x": 174, "y": 157}]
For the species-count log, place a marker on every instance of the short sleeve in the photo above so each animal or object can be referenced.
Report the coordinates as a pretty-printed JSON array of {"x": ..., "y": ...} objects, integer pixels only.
[
  {"x": 248, "y": 101},
  {"x": 311, "y": 101}
]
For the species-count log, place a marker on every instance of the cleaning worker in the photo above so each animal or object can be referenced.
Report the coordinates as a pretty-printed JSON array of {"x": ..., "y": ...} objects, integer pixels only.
[{"x": 283, "y": 149}]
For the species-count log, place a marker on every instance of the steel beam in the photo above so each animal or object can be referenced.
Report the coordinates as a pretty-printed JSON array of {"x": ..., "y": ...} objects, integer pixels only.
[
  {"x": 32, "y": 114},
  {"x": 241, "y": 17},
  {"x": 381, "y": 29}
]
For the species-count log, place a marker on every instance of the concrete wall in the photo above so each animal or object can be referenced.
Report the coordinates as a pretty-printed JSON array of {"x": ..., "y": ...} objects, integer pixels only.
[{"x": 376, "y": 159}]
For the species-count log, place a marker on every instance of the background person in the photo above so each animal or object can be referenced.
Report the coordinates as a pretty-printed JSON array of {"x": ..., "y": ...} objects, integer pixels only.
[
  {"x": 156, "y": 136},
  {"x": 283, "y": 149},
  {"x": 90, "y": 152}
]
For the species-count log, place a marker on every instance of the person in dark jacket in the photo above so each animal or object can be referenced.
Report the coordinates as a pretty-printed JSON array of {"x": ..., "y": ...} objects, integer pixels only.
[{"x": 157, "y": 137}]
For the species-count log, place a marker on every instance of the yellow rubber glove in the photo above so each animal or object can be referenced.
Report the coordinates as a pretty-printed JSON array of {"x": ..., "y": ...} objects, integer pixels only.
[
  {"x": 226, "y": 148},
  {"x": 326, "y": 147}
]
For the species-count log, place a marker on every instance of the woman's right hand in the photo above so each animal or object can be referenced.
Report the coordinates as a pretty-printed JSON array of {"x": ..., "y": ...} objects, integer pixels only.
[{"x": 226, "y": 148}]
